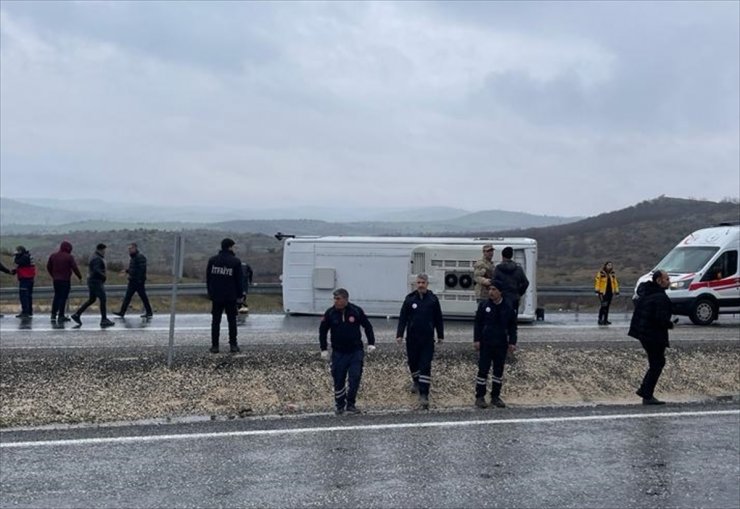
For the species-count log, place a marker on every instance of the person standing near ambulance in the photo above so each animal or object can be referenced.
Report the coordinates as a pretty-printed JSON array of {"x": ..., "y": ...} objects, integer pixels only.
[
  {"x": 344, "y": 320},
  {"x": 606, "y": 286},
  {"x": 420, "y": 315},
  {"x": 224, "y": 282}
]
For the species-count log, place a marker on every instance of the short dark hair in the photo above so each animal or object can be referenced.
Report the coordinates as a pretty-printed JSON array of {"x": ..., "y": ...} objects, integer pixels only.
[
  {"x": 100, "y": 247},
  {"x": 227, "y": 243},
  {"x": 657, "y": 275},
  {"x": 507, "y": 253},
  {"x": 133, "y": 244},
  {"x": 341, "y": 292}
]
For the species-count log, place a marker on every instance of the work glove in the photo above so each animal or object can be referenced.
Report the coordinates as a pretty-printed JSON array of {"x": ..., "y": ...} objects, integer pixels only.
[
  {"x": 325, "y": 354},
  {"x": 370, "y": 348}
]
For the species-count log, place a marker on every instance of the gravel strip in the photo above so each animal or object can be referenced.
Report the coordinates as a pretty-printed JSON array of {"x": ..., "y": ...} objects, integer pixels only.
[{"x": 39, "y": 387}]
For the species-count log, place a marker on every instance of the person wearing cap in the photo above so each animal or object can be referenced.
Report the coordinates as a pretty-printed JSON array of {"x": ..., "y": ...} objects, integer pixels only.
[
  {"x": 509, "y": 278},
  {"x": 224, "y": 282},
  {"x": 96, "y": 277},
  {"x": 493, "y": 337},
  {"x": 483, "y": 274},
  {"x": 420, "y": 315},
  {"x": 344, "y": 320}
]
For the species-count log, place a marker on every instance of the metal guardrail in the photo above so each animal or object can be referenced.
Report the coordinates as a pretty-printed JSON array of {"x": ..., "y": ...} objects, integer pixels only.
[{"x": 80, "y": 290}]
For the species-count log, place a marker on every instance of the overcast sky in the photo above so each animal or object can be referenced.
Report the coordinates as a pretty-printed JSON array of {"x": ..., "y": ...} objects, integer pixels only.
[{"x": 552, "y": 108}]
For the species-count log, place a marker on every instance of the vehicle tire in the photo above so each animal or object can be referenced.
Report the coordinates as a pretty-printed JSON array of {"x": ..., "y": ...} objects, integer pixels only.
[
  {"x": 703, "y": 312},
  {"x": 451, "y": 280}
]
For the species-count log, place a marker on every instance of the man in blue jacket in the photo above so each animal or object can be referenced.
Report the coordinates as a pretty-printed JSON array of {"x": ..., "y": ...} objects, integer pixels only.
[
  {"x": 421, "y": 314},
  {"x": 344, "y": 320},
  {"x": 494, "y": 336}
]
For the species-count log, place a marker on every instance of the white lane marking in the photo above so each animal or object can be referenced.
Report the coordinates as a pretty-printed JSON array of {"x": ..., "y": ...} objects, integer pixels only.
[{"x": 361, "y": 427}]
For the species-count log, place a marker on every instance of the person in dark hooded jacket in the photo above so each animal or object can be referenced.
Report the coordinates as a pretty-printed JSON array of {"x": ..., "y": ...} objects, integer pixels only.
[
  {"x": 60, "y": 267},
  {"x": 509, "y": 277},
  {"x": 136, "y": 279},
  {"x": 650, "y": 324},
  {"x": 25, "y": 271},
  {"x": 96, "y": 287}
]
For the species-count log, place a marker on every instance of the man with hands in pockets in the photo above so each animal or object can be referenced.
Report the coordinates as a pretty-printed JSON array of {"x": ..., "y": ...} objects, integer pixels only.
[
  {"x": 494, "y": 336},
  {"x": 344, "y": 321}
]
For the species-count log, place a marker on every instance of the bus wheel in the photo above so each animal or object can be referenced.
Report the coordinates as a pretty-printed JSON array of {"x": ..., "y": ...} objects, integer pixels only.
[{"x": 703, "y": 312}]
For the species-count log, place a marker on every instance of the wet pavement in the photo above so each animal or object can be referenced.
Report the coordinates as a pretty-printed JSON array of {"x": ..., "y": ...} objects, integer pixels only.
[
  {"x": 272, "y": 329},
  {"x": 675, "y": 456}
]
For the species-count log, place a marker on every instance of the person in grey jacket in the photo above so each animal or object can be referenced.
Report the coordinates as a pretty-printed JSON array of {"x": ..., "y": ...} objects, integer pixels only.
[
  {"x": 136, "y": 278},
  {"x": 96, "y": 286}
]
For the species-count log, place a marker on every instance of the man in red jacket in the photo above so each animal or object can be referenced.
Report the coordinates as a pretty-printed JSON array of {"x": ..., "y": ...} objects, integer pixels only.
[{"x": 60, "y": 266}]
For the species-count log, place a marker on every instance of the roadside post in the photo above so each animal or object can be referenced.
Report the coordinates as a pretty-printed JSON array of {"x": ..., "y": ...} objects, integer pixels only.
[{"x": 177, "y": 268}]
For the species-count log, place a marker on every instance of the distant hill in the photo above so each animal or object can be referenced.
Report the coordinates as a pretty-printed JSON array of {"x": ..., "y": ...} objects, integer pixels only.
[
  {"x": 635, "y": 239},
  {"x": 51, "y": 216}
]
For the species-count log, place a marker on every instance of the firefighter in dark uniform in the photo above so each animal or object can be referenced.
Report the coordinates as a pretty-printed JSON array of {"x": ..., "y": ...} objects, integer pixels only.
[
  {"x": 420, "y": 315},
  {"x": 493, "y": 336},
  {"x": 224, "y": 281},
  {"x": 344, "y": 320}
]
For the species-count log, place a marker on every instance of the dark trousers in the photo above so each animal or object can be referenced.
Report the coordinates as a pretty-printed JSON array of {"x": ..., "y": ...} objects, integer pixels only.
[
  {"x": 656, "y": 361},
  {"x": 96, "y": 290},
  {"x": 420, "y": 353},
  {"x": 138, "y": 288},
  {"x": 59, "y": 302},
  {"x": 217, "y": 309},
  {"x": 606, "y": 301},
  {"x": 342, "y": 365},
  {"x": 25, "y": 295},
  {"x": 490, "y": 353}
]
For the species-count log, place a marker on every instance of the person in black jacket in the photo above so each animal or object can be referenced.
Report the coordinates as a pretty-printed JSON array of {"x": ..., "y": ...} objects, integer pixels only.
[
  {"x": 136, "y": 277},
  {"x": 493, "y": 337},
  {"x": 509, "y": 277},
  {"x": 96, "y": 287},
  {"x": 6, "y": 270},
  {"x": 224, "y": 282},
  {"x": 247, "y": 275},
  {"x": 344, "y": 321},
  {"x": 650, "y": 323},
  {"x": 420, "y": 315}
]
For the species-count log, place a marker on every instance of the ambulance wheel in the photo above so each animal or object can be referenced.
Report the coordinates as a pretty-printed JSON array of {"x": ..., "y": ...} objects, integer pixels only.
[{"x": 703, "y": 312}]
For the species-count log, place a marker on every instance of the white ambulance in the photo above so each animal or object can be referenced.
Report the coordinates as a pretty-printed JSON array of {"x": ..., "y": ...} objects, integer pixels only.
[{"x": 705, "y": 277}]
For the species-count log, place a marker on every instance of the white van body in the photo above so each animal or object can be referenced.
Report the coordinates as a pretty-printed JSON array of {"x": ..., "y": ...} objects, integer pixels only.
[
  {"x": 378, "y": 272},
  {"x": 705, "y": 277}
]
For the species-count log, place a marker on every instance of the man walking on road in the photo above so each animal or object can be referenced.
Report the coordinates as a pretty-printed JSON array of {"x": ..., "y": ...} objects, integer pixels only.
[
  {"x": 420, "y": 315},
  {"x": 136, "y": 278},
  {"x": 96, "y": 287},
  {"x": 60, "y": 267},
  {"x": 483, "y": 274},
  {"x": 650, "y": 323},
  {"x": 344, "y": 321},
  {"x": 224, "y": 282},
  {"x": 493, "y": 337}
]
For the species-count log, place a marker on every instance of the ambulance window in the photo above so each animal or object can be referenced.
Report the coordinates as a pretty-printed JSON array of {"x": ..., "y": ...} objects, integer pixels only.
[
  {"x": 724, "y": 266},
  {"x": 682, "y": 260}
]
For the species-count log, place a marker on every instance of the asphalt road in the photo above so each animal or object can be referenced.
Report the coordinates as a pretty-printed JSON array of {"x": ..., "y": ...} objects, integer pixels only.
[
  {"x": 194, "y": 330},
  {"x": 675, "y": 456}
]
